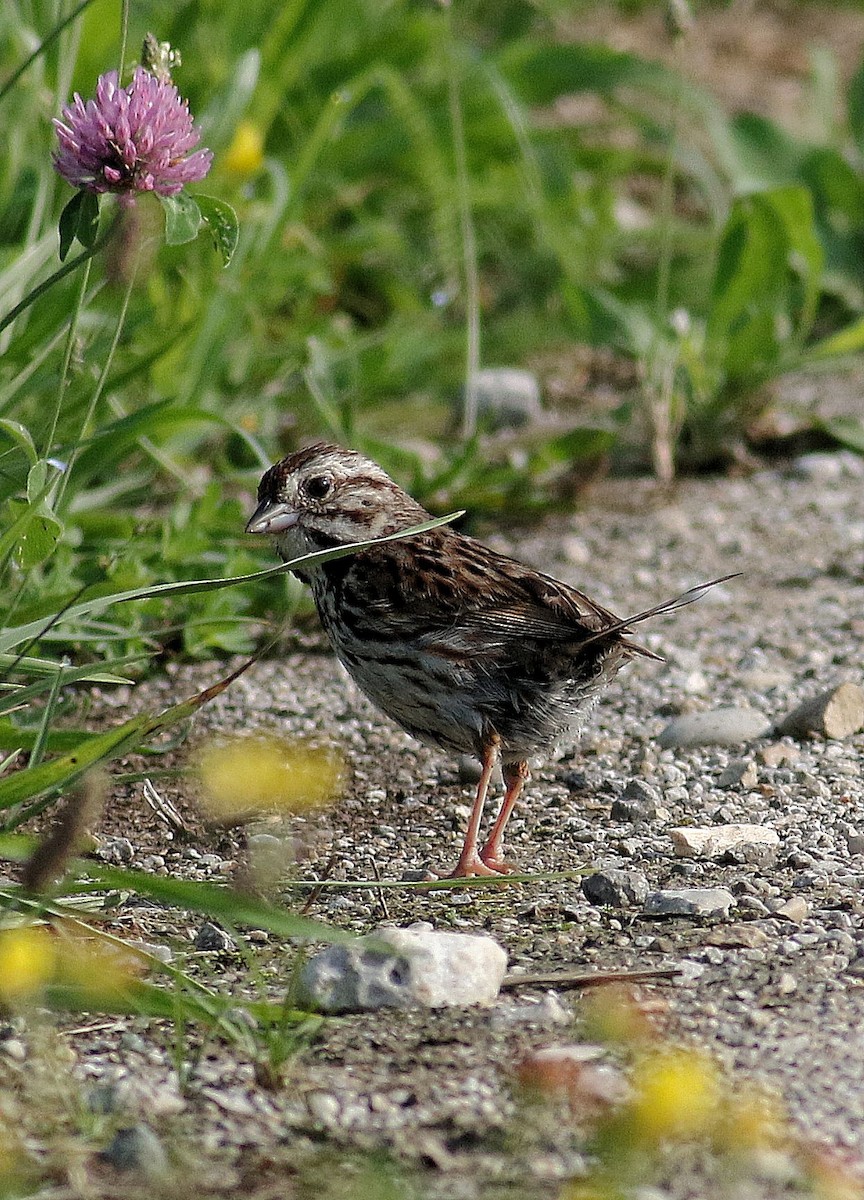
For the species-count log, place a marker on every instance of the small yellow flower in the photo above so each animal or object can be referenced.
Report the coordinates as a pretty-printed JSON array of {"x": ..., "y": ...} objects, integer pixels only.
[
  {"x": 100, "y": 970},
  {"x": 27, "y": 960},
  {"x": 267, "y": 774},
  {"x": 676, "y": 1095},
  {"x": 245, "y": 155},
  {"x": 750, "y": 1122},
  {"x": 612, "y": 1015}
]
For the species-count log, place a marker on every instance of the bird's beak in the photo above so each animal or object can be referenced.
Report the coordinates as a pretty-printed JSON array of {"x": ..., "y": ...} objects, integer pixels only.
[{"x": 272, "y": 516}]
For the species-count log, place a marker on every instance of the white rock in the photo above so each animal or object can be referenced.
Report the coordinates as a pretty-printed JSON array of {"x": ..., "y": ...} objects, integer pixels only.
[
  {"x": 836, "y": 713},
  {"x": 712, "y": 841},
  {"x": 796, "y": 909},
  {"x": 547, "y": 1011},
  {"x": 507, "y": 397},
  {"x": 401, "y": 968},
  {"x": 718, "y": 727},
  {"x": 323, "y": 1108}
]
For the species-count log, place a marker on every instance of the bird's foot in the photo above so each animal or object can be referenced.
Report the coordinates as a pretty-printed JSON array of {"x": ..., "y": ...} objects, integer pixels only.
[
  {"x": 498, "y": 865},
  {"x": 472, "y": 866}
]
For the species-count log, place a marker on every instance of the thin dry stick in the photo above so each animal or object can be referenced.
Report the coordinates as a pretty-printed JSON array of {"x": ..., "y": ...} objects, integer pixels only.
[
  {"x": 583, "y": 979},
  {"x": 319, "y": 887},
  {"x": 382, "y": 900}
]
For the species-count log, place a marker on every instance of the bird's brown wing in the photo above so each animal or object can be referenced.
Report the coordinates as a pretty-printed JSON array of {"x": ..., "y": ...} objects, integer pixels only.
[{"x": 458, "y": 596}]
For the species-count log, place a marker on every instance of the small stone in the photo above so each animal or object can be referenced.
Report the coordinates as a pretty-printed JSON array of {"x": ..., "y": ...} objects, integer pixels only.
[
  {"x": 164, "y": 954},
  {"x": 836, "y": 713},
  {"x": 695, "y": 683},
  {"x": 714, "y": 841},
  {"x": 828, "y": 466},
  {"x": 573, "y": 1072},
  {"x": 796, "y": 909},
  {"x": 211, "y": 937},
  {"x": 402, "y": 968},
  {"x": 547, "y": 1011},
  {"x": 576, "y": 551},
  {"x": 689, "y": 902},
  {"x": 778, "y": 753},
  {"x": 507, "y": 398},
  {"x": 764, "y": 679},
  {"x": 689, "y": 971},
  {"x": 137, "y": 1148},
  {"x": 718, "y": 727},
  {"x": 615, "y": 887},
  {"x": 743, "y": 933},
  {"x": 323, "y": 1108},
  {"x": 117, "y": 851},
  {"x": 154, "y": 863},
  {"x": 637, "y": 803},
  {"x": 855, "y": 843},
  {"x": 740, "y": 772},
  {"x": 787, "y": 984},
  {"x": 230, "y": 1100}
]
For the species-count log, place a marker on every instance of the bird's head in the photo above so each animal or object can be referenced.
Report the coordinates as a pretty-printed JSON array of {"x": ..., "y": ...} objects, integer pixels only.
[{"x": 324, "y": 496}]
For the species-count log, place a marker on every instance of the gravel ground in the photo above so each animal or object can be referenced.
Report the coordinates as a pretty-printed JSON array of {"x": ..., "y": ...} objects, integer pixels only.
[{"x": 773, "y": 990}]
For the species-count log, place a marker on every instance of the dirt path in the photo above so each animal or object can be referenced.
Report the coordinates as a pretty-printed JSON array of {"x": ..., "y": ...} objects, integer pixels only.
[{"x": 774, "y": 995}]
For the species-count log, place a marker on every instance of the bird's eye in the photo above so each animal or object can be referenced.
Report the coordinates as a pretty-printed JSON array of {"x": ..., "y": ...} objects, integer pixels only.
[{"x": 318, "y": 486}]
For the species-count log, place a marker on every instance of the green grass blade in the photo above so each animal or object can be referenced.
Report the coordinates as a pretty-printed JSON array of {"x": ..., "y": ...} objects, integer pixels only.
[
  {"x": 42, "y": 47},
  {"x": 24, "y": 695},
  {"x": 10, "y": 638},
  {"x": 207, "y": 898},
  {"x": 64, "y": 771},
  {"x": 221, "y": 903}
]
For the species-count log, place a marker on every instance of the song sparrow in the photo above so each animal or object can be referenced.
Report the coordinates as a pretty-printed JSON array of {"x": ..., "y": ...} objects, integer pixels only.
[{"x": 465, "y": 648}]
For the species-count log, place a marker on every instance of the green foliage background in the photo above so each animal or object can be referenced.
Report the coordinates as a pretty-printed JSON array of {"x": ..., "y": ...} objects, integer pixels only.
[{"x": 418, "y": 180}]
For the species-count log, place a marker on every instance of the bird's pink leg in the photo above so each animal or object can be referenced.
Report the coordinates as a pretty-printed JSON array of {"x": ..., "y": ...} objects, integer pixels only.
[
  {"x": 515, "y": 776},
  {"x": 470, "y": 862}
]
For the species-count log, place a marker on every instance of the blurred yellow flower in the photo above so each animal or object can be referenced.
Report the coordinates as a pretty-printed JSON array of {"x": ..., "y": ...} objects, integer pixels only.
[
  {"x": 829, "y": 1178},
  {"x": 611, "y": 1014},
  {"x": 267, "y": 774},
  {"x": 750, "y": 1122},
  {"x": 245, "y": 155},
  {"x": 676, "y": 1095},
  {"x": 27, "y": 961},
  {"x": 99, "y": 969}
]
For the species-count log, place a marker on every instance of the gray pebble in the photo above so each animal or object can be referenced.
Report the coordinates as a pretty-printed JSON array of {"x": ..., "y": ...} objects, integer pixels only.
[
  {"x": 163, "y": 953},
  {"x": 637, "y": 803},
  {"x": 323, "y": 1108},
  {"x": 211, "y": 937},
  {"x": 689, "y": 902},
  {"x": 828, "y": 467},
  {"x": 795, "y": 909},
  {"x": 507, "y": 398},
  {"x": 615, "y": 887},
  {"x": 718, "y": 727},
  {"x": 117, "y": 850},
  {"x": 137, "y": 1148},
  {"x": 742, "y": 771}
]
